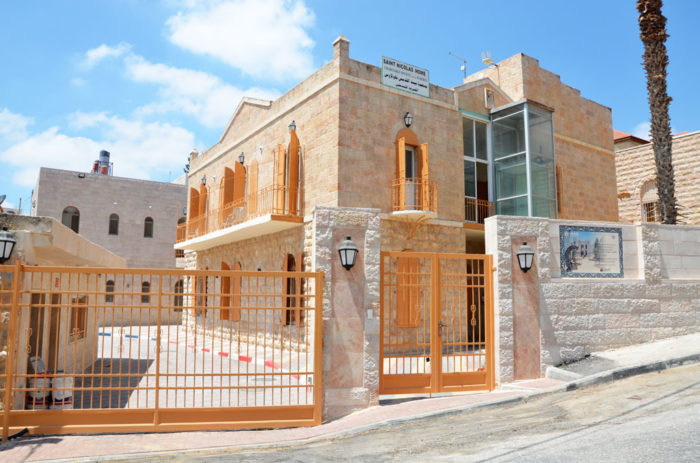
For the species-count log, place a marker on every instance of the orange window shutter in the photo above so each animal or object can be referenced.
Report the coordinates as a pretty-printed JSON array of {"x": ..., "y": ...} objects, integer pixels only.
[
  {"x": 238, "y": 182},
  {"x": 403, "y": 292},
  {"x": 228, "y": 185},
  {"x": 424, "y": 176},
  {"x": 281, "y": 179},
  {"x": 253, "y": 187},
  {"x": 235, "y": 311},
  {"x": 401, "y": 170},
  {"x": 225, "y": 294},
  {"x": 293, "y": 172}
]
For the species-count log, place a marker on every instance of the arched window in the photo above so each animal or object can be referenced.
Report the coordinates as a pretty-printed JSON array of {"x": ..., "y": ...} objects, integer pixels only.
[
  {"x": 113, "y": 224},
  {"x": 287, "y": 182},
  {"x": 145, "y": 290},
  {"x": 292, "y": 289},
  {"x": 412, "y": 187},
  {"x": 650, "y": 202},
  {"x": 148, "y": 227},
  {"x": 109, "y": 289},
  {"x": 71, "y": 218}
]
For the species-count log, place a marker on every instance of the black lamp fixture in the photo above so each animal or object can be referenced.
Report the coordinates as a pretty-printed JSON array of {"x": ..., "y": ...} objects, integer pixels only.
[
  {"x": 7, "y": 244},
  {"x": 241, "y": 158},
  {"x": 204, "y": 180},
  {"x": 525, "y": 256},
  {"x": 348, "y": 253},
  {"x": 292, "y": 126},
  {"x": 407, "y": 119}
]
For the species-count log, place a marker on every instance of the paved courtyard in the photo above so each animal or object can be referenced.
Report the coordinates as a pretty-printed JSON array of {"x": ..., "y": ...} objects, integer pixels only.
[{"x": 188, "y": 370}]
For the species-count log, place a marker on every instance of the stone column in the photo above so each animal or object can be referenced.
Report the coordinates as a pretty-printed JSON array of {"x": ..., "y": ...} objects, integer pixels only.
[{"x": 350, "y": 308}]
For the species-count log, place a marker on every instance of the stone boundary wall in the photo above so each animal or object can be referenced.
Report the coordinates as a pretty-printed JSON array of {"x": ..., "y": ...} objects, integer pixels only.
[{"x": 659, "y": 297}]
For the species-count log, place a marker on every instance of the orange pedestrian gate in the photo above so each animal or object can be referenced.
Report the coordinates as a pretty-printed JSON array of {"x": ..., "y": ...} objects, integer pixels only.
[
  {"x": 436, "y": 332},
  {"x": 122, "y": 350}
]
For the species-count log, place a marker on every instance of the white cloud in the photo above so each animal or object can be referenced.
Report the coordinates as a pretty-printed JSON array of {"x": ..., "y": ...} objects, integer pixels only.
[
  {"x": 13, "y": 127},
  {"x": 139, "y": 149},
  {"x": 263, "y": 38},
  {"x": 196, "y": 93},
  {"x": 77, "y": 82},
  {"x": 95, "y": 55},
  {"x": 642, "y": 130}
]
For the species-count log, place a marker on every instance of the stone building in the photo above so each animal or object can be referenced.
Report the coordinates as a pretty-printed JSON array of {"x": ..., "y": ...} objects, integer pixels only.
[
  {"x": 135, "y": 219},
  {"x": 636, "y": 180},
  {"x": 353, "y": 151}
]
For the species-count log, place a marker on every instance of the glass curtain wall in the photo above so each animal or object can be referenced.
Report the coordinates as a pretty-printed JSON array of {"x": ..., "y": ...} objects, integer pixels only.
[
  {"x": 524, "y": 169},
  {"x": 476, "y": 167}
]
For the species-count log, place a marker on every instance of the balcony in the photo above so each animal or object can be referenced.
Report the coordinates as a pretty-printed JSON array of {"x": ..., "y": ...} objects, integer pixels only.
[
  {"x": 269, "y": 210},
  {"x": 413, "y": 198},
  {"x": 476, "y": 211}
]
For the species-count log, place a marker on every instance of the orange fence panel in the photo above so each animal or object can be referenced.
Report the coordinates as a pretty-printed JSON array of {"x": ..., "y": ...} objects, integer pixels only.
[{"x": 122, "y": 350}]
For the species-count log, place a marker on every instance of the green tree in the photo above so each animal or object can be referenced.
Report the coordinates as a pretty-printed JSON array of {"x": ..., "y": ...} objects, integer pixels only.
[{"x": 652, "y": 27}]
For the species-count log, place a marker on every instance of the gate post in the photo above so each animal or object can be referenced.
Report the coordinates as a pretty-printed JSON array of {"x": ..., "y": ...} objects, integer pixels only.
[{"x": 11, "y": 338}]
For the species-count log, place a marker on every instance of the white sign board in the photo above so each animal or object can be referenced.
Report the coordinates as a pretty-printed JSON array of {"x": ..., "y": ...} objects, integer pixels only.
[{"x": 405, "y": 77}]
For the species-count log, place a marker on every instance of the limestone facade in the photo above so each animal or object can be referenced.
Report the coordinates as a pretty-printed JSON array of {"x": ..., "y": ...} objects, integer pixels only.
[
  {"x": 98, "y": 196},
  {"x": 636, "y": 170},
  {"x": 348, "y": 124}
]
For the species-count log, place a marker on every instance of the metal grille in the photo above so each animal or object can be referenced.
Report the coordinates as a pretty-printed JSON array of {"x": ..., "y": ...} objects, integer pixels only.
[
  {"x": 436, "y": 322},
  {"x": 126, "y": 349}
]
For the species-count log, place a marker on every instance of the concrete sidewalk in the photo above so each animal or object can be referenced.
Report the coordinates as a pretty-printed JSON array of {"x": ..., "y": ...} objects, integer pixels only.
[{"x": 596, "y": 369}]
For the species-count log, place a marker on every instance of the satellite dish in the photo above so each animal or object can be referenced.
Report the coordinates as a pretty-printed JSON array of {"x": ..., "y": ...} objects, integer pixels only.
[{"x": 2, "y": 198}]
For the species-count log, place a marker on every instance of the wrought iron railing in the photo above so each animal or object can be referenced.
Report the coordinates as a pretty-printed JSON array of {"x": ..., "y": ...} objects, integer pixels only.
[
  {"x": 276, "y": 200},
  {"x": 477, "y": 210},
  {"x": 414, "y": 194}
]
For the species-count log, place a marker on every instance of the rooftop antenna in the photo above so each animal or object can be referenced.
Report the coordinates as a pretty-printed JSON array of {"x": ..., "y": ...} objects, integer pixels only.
[
  {"x": 486, "y": 58},
  {"x": 463, "y": 67}
]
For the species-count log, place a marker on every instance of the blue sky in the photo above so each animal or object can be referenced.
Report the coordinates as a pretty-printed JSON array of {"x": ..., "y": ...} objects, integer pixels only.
[{"x": 150, "y": 80}]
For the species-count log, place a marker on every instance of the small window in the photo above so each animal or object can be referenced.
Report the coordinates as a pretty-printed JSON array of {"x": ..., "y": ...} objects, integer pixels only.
[
  {"x": 148, "y": 227},
  {"x": 109, "y": 289},
  {"x": 113, "y": 224},
  {"x": 179, "y": 299},
  {"x": 71, "y": 218},
  {"x": 651, "y": 211},
  {"x": 145, "y": 290}
]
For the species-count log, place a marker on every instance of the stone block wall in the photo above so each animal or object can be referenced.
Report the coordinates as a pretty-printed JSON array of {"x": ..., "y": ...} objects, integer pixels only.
[
  {"x": 578, "y": 316},
  {"x": 635, "y": 167},
  {"x": 98, "y": 196}
]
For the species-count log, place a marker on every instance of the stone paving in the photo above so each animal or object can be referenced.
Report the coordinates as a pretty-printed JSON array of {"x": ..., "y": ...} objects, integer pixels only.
[{"x": 195, "y": 372}]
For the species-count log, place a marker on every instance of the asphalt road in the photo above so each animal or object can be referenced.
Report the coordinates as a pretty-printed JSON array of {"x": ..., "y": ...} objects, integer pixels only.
[{"x": 648, "y": 418}]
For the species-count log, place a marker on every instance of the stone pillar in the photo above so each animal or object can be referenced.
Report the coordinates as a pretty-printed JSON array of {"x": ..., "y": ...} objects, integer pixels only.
[
  {"x": 350, "y": 308},
  {"x": 526, "y": 313}
]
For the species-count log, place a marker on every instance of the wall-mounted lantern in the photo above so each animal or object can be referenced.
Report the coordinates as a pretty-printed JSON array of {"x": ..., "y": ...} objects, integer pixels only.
[
  {"x": 241, "y": 158},
  {"x": 204, "y": 180},
  {"x": 292, "y": 126},
  {"x": 7, "y": 244},
  {"x": 407, "y": 119},
  {"x": 348, "y": 253},
  {"x": 525, "y": 257}
]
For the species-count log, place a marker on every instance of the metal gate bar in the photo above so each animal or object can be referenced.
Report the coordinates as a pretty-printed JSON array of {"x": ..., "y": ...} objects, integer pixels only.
[
  {"x": 436, "y": 326},
  {"x": 121, "y": 350}
]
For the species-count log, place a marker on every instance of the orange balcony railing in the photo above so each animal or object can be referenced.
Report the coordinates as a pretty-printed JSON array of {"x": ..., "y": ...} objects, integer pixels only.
[
  {"x": 414, "y": 194},
  {"x": 274, "y": 200},
  {"x": 476, "y": 210}
]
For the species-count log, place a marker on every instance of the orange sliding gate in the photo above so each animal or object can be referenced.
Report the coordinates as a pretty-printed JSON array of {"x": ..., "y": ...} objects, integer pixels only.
[
  {"x": 436, "y": 332},
  {"x": 123, "y": 350}
]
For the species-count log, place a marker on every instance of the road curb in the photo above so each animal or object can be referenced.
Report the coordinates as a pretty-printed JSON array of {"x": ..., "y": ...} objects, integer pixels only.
[{"x": 522, "y": 397}]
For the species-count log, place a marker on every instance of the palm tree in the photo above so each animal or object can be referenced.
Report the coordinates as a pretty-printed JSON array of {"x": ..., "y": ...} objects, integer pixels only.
[{"x": 652, "y": 26}]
